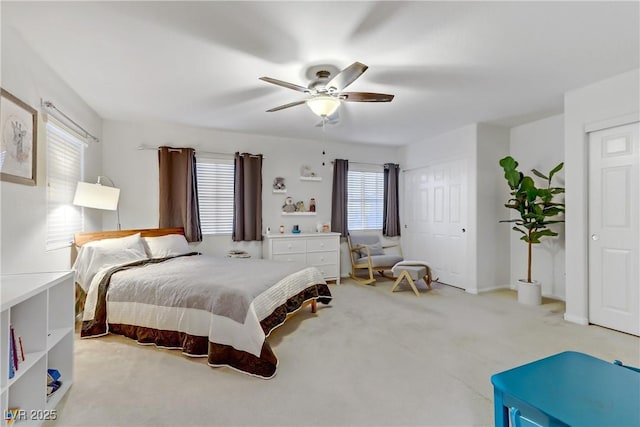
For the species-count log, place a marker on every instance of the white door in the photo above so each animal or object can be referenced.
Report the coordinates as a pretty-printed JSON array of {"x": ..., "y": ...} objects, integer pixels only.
[
  {"x": 614, "y": 230},
  {"x": 435, "y": 219}
]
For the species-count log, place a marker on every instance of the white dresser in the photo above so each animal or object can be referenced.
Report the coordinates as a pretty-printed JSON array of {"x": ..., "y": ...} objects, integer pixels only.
[{"x": 320, "y": 250}]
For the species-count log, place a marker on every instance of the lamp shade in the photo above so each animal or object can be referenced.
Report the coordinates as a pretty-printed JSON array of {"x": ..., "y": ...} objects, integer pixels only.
[
  {"x": 323, "y": 106},
  {"x": 96, "y": 196}
]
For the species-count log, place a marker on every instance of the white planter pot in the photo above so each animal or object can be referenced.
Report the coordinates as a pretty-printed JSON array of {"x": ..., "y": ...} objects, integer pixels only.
[{"x": 529, "y": 293}]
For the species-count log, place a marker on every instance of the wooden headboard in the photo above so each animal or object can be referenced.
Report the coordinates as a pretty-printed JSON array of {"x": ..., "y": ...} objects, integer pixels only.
[{"x": 82, "y": 238}]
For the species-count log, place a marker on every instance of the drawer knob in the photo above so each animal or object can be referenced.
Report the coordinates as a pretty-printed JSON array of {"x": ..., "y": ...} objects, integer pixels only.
[{"x": 289, "y": 246}]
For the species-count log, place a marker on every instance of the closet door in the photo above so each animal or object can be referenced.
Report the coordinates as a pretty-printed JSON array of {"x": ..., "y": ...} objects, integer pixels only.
[
  {"x": 435, "y": 219},
  {"x": 614, "y": 230}
]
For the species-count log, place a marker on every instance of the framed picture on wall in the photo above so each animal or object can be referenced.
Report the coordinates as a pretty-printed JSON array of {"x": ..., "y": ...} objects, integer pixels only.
[{"x": 18, "y": 133}]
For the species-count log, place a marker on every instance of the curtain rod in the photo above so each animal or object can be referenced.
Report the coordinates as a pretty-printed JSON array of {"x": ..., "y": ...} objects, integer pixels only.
[
  {"x": 146, "y": 147},
  {"x": 50, "y": 105}
]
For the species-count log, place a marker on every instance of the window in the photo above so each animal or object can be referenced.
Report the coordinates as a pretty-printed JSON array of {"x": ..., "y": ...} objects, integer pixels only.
[
  {"x": 365, "y": 202},
  {"x": 215, "y": 195},
  {"x": 64, "y": 170}
]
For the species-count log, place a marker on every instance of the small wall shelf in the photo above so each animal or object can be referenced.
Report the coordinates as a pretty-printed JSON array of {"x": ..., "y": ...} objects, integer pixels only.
[
  {"x": 298, "y": 213},
  {"x": 280, "y": 191},
  {"x": 310, "y": 178}
]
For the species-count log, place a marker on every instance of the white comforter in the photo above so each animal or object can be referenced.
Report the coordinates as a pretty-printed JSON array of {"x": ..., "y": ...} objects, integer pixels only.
[{"x": 224, "y": 299}]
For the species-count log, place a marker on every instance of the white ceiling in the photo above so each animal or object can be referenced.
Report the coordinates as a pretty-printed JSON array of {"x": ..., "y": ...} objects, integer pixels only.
[{"x": 448, "y": 63}]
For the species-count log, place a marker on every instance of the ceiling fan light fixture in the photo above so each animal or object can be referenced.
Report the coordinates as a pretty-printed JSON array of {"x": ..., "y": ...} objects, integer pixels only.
[
  {"x": 326, "y": 90},
  {"x": 323, "y": 106}
]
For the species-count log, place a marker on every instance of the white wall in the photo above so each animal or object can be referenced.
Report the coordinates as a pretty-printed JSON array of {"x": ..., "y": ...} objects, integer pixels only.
[
  {"x": 492, "y": 249},
  {"x": 613, "y": 98},
  {"x": 539, "y": 145},
  {"x": 453, "y": 145},
  {"x": 23, "y": 230},
  {"x": 136, "y": 172}
]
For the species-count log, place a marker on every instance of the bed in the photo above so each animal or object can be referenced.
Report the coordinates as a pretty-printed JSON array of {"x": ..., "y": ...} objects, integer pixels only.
[{"x": 150, "y": 286}]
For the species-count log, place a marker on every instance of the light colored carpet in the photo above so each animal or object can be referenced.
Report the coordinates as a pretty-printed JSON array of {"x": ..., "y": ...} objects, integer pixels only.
[{"x": 370, "y": 358}]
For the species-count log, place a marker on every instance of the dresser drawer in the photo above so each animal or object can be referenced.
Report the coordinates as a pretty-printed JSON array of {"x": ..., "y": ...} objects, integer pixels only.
[
  {"x": 319, "y": 258},
  {"x": 322, "y": 244},
  {"x": 329, "y": 271},
  {"x": 299, "y": 258},
  {"x": 289, "y": 246}
]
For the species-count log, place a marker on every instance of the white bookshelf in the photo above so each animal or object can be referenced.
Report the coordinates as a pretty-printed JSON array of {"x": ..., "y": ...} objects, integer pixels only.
[{"x": 40, "y": 307}]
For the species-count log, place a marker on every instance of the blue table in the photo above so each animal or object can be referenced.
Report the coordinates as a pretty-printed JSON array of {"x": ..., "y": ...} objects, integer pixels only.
[{"x": 568, "y": 388}]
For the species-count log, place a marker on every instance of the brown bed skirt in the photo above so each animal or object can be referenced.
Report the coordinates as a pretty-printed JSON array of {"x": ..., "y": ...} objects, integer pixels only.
[{"x": 223, "y": 355}]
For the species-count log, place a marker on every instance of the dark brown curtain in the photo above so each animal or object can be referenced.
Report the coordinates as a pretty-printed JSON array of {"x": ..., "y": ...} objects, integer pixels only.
[
  {"x": 339, "y": 197},
  {"x": 391, "y": 207},
  {"x": 179, "y": 191},
  {"x": 247, "y": 194}
]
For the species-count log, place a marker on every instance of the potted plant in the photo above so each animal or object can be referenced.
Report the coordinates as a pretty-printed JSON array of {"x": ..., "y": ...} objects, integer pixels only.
[{"x": 537, "y": 210}]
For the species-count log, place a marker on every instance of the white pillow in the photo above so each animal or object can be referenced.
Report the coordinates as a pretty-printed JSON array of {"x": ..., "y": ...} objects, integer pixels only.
[
  {"x": 99, "y": 254},
  {"x": 133, "y": 241},
  {"x": 166, "y": 246}
]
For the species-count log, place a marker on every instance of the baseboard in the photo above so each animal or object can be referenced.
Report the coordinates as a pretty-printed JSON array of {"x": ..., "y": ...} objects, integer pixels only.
[
  {"x": 576, "y": 319},
  {"x": 494, "y": 288},
  {"x": 552, "y": 296}
]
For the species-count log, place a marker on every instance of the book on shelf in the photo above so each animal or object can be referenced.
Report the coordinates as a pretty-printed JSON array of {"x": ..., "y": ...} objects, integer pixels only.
[
  {"x": 21, "y": 349},
  {"x": 16, "y": 352},
  {"x": 53, "y": 381},
  {"x": 12, "y": 369},
  {"x": 14, "y": 348},
  {"x": 53, "y": 387},
  {"x": 53, "y": 375}
]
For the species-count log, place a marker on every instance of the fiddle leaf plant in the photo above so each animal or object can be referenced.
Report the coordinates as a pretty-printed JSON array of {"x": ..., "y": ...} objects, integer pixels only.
[{"x": 536, "y": 207}]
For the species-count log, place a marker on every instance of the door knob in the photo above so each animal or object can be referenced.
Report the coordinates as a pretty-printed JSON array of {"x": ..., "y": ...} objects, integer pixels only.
[{"x": 594, "y": 237}]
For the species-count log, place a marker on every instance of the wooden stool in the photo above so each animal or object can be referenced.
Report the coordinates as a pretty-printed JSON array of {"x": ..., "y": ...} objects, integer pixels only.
[{"x": 410, "y": 273}]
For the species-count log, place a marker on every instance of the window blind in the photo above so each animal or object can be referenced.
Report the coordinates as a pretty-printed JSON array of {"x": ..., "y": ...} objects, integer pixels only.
[
  {"x": 215, "y": 195},
  {"x": 64, "y": 170},
  {"x": 365, "y": 200}
]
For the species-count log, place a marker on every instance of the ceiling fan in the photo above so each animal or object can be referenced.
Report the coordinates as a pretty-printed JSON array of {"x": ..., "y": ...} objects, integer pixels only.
[{"x": 326, "y": 91}]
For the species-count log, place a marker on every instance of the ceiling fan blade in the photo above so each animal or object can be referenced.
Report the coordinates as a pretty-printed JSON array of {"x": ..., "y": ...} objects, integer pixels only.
[
  {"x": 285, "y": 84},
  {"x": 347, "y": 76},
  {"x": 282, "y": 107},
  {"x": 364, "y": 97}
]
